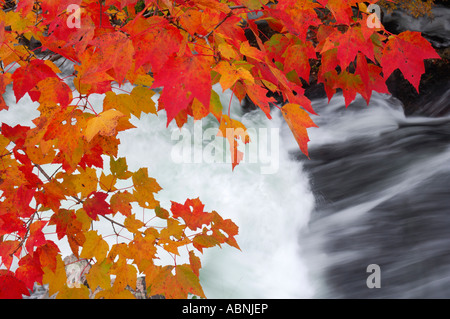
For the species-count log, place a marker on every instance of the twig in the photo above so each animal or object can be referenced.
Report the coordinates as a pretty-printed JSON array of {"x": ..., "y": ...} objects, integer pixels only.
[{"x": 218, "y": 25}]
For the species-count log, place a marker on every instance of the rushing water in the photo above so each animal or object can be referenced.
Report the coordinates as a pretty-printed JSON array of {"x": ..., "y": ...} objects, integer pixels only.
[{"x": 381, "y": 183}]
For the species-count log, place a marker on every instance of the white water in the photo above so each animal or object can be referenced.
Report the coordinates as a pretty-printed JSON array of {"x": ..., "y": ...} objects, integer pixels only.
[{"x": 270, "y": 209}]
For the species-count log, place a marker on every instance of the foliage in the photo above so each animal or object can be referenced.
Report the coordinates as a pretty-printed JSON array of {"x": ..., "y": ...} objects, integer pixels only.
[{"x": 53, "y": 174}]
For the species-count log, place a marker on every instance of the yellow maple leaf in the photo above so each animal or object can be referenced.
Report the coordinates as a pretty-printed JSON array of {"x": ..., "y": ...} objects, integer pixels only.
[
  {"x": 94, "y": 246},
  {"x": 104, "y": 124}
]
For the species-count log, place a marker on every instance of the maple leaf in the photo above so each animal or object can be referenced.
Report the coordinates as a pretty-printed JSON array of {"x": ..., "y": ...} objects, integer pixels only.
[
  {"x": 350, "y": 84},
  {"x": 341, "y": 10},
  {"x": 36, "y": 237},
  {"x": 221, "y": 227},
  {"x": 370, "y": 75},
  {"x": 63, "y": 219},
  {"x": 406, "y": 52},
  {"x": 67, "y": 224},
  {"x": 259, "y": 96},
  {"x": 164, "y": 38},
  {"x": 233, "y": 131},
  {"x": 125, "y": 275},
  {"x": 142, "y": 248},
  {"x": 5, "y": 79},
  {"x": 297, "y": 58},
  {"x": 97, "y": 205},
  {"x": 9, "y": 249},
  {"x": 47, "y": 254},
  {"x": 230, "y": 73},
  {"x": 203, "y": 240},
  {"x": 95, "y": 246},
  {"x": 55, "y": 277},
  {"x": 195, "y": 263},
  {"x": 144, "y": 188},
  {"x": 298, "y": 121},
  {"x": 296, "y": 16},
  {"x": 132, "y": 224},
  {"x": 86, "y": 181},
  {"x": 188, "y": 281},
  {"x": 99, "y": 275},
  {"x": 26, "y": 77},
  {"x": 30, "y": 270},
  {"x": 183, "y": 78},
  {"x": 104, "y": 124},
  {"x": 350, "y": 43},
  {"x": 116, "y": 51},
  {"x": 120, "y": 202},
  {"x": 52, "y": 91},
  {"x": 11, "y": 287}
]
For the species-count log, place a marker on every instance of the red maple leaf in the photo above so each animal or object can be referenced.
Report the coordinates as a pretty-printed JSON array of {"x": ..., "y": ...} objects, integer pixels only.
[
  {"x": 96, "y": 205},
  {"x": 406, "y": 52},
  {"x": 192, "y": 213},
  {"x": 26, "y": 77},
  {"x": 11, "y": 287},
  {"x": 183, "y": 78}
]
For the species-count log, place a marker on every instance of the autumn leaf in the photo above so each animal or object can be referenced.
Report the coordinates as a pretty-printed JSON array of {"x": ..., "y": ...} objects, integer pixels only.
[
  {"x": 188, "y": 281},
  {"x": 104, "y": 124},
  {"x": 120, "y": 202},
  {"x": 9, "y": 249},
  {"x": 36, "y": 237},
  {"x": 370, "y": 77},
  {"x": 233, "y": 131},
  {"x": 11, "y": 287},
  {"x": 48, "y": 254},
  {"x": 296, "y": 16},
  {"x": 95, "y": 246},
  {"x": 297, "y": 58},
  {"x": 341, "y": 10},
  {"x": 56, "y": 278},
  {"x": 164, "y": 37},
  {"x": 406, "y": 52},
  {"x": 144, "y": 188},
  {"x": 97, "y": 205},
  {"x": 26, "y": 77},
  {"x": 30, "y": 270},
  {"x": 231, "y": 73},
  {"x": 5, "y": 79},
  {"x": 119, "y": 167},
  {"x": 183, "y": 78},
  {"x": 195, "y": 263},
  {"x": 191, "y": 212},
  {"x": 298, "y": 121},
  {"x": 116, "y": 51},
  {"x": 125, "y": 275},
  {"x": 133, "y": 224}
]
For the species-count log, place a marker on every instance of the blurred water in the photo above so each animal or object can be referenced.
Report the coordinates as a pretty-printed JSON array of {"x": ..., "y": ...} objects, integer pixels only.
[{"x": 382, "y": 188}]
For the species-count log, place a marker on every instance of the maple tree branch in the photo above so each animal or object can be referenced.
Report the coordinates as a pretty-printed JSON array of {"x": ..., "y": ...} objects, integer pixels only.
[
  {"x": 237, "y": 7},
  {"x": 79, "y": 201},
  {"x": 113, "y": 221},
  {"x": 219, "y": 24},
  {"x": 25, "y": 237},
  {"x": 43, "y": 172}
]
